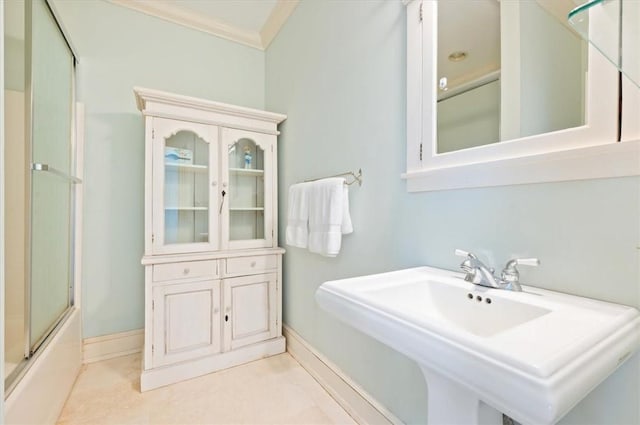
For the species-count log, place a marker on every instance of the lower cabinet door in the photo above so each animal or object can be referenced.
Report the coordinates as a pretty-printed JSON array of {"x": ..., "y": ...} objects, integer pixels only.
[
  {"x": 249, "y": 310},
  {"x": 186, "y": 321}
]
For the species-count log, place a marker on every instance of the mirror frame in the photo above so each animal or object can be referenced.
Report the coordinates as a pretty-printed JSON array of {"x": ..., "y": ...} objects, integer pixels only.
[{"x": 588, "y": 151}]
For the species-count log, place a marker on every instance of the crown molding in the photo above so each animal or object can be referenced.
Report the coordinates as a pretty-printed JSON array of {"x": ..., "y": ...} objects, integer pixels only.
[
  {"x": 276, "y": 20},
  {"x": 145, "y": 96},
  {"x": 258, "y": 40}
]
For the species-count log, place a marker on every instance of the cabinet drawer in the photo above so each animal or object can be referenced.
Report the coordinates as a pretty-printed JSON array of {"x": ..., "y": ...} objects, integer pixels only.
[
  {"x": 185, "y": 270},
  {"x": 249, "y": 265}
]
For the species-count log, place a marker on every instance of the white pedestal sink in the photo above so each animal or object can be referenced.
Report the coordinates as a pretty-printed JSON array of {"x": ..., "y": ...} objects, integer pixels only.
[{"x": 532, "y": 355}]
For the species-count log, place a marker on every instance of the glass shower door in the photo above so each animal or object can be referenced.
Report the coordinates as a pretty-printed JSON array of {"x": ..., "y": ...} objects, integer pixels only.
[{"x": 52, "y": 184}]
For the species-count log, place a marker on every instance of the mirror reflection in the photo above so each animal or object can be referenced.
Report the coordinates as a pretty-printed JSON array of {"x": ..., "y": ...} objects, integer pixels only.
[{"x": 507, "y": 70}]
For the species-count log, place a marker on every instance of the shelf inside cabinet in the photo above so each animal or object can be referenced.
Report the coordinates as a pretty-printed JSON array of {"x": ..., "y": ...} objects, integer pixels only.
[
  {"x": 247, "y": 209},
  {"x": 186, "y": 208},
  {"x": 187, "y": 167},
  {"x": 246, "y": 172}
]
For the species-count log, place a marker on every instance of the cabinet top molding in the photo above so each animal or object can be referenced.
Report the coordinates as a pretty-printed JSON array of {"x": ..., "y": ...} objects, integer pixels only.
[{"x": 146, "y": 98}]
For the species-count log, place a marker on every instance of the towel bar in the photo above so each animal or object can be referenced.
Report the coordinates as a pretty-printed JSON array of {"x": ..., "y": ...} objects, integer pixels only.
[{"x": 356, "y": 177}]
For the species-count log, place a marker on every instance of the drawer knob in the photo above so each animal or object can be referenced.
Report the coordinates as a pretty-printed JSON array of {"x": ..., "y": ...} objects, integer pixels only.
[
  {"x": 185, "y": 271},
  {"x": 253, "y": 264}
]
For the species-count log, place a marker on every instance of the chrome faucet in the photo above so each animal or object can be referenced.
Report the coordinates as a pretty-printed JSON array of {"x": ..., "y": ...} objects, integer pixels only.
[
  {"x": 479, "y": 274},
  {"x": 476, "y": 271}
]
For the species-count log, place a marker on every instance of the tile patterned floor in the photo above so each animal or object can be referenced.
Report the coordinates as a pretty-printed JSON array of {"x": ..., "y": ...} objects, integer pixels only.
[{"x": 276, "y": 390}]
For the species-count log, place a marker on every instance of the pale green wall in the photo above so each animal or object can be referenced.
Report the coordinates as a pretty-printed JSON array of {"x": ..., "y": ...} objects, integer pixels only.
[
  {"x": 337, "y": 69},
  {"x": 119, "y": 48}
]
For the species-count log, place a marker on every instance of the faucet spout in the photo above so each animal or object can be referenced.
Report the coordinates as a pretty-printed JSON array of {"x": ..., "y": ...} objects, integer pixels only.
[
  {"x": 476, "y": 271},
  {"x": 481, "y": 275}
]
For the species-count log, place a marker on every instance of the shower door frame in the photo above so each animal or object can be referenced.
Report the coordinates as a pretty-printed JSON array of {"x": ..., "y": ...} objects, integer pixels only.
[{"x": 32, "y": 351}]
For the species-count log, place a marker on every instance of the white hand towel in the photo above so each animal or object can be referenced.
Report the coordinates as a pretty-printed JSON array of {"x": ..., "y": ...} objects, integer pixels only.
[
  {"x": 347, "y": 226},
  {"x": 297, "y": 231},
  {"x": 327, "y": 215}
]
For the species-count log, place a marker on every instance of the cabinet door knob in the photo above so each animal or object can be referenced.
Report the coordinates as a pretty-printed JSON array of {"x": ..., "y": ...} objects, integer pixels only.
[{"x": 185, "y": 271}]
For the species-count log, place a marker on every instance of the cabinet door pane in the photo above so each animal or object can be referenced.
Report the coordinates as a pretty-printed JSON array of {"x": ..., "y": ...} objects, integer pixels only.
[
  {"x": 185, "y": 158},
  {"x": 246, "y": 190},
  {"x": 185, "y": 193},
  {"x": 186, "y": 190}
]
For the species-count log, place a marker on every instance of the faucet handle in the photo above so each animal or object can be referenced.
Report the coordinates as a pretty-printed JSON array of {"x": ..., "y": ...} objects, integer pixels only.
[
  {"x": 510, "y": 273},
  {"x": 467, "y": 265},
  {"x": 461, "y": 253},
  {"x": 534, "y": 262}
]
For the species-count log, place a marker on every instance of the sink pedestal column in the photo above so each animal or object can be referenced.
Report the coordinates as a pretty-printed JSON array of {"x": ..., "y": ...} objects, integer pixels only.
[{"x": 449, "y": 403}]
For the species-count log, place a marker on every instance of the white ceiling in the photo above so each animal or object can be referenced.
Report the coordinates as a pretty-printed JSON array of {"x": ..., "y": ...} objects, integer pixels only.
[{"x": 251, "y": 22}]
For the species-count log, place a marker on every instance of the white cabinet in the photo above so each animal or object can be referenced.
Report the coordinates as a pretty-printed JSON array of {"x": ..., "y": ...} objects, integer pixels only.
[
  {"x": 186, "y": 321},
  {"x": 189, "y": 323},
  {"x": 249, "y": 310},
  {"x": 213, "y": 295}
]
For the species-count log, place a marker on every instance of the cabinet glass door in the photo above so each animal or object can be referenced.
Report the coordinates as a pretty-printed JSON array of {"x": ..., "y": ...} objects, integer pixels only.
[
  {"x": 188, "y": 216},
  {"x": 248, "y": 190}
]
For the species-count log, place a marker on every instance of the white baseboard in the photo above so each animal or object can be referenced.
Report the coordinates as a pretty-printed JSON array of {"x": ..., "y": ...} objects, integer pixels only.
[
  {"x": 131, "y": 342},
  {"x": 113, "y": 345},
  {"x": 170, "y": 374},
  {"x": 355, "y": 400}
]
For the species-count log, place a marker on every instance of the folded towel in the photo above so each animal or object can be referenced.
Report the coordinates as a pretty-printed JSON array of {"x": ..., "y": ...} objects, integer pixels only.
[
  {"x": 328, "y": 216},
  {"x": 297, "y": 231}
]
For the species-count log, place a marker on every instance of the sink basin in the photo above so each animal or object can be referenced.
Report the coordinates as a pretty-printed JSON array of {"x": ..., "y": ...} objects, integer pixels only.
[
  {"x": 532, "y": 355},
  {"x": 455, "y": 305}
]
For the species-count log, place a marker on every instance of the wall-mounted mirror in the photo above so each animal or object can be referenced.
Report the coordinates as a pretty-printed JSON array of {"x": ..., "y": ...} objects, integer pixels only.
[
  {"x": 507, "y": 70},
  {"x": 549, "y": 112}
]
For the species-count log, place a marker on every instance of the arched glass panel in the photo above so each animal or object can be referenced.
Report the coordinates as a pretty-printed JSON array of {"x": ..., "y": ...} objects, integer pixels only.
[
  {"x": 246, "y": 190},
  {"x": 186, "y": 189}
]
